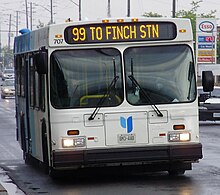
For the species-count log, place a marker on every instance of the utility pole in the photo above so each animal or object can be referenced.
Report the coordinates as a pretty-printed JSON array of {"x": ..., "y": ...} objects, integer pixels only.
[
  {"x": 9, "y": 33},
  {"x": 129, "y": 8},
  {"x": 51, "y": 11},
  {"x": 80, "y": 8},
  {"x": 31, "y": 16},
  {"x": 0, "y": 43},
  {"x": 17, "y": 23},
  {"x": 26, "y": 6},
  {"x": 174, "y": 8},
  {"x": 109, "y": 8}
]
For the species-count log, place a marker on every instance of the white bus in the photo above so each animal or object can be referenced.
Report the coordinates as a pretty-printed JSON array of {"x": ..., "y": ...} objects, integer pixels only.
[{"x": 115, "y": 92}]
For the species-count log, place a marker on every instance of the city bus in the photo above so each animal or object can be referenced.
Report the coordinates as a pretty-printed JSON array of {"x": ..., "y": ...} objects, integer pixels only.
[{"x": 108, "y": 93}]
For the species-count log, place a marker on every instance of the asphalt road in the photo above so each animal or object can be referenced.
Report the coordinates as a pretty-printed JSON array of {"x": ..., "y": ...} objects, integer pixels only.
[{"x": 204, "y": 179}]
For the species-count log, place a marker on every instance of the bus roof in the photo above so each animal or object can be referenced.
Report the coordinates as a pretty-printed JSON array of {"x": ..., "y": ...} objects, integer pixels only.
[{"x": 106, "y": 31}]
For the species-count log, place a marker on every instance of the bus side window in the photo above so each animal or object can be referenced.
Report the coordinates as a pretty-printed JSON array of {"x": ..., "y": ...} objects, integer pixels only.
[
  {"x": 59, "y": 89},
  {"x": 18, "y": 62},
  {"x": 42, "y": 92},
  {"x": 22, "y": 75},
  {"x": 38, "y": 89},
  {"x": 32, "y": 83}
]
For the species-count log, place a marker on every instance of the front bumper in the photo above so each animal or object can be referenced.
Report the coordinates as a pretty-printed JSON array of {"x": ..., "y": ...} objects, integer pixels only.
[
  {"x": 132, "y": 155},
  {"x": 8, "y": 94}
]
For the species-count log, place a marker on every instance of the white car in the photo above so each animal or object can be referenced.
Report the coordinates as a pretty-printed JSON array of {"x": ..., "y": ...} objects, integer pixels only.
[
  {"x": 8, "y": 74},
  {"x": 7, "y": 88},
  {"x": 209, "y": 104}
]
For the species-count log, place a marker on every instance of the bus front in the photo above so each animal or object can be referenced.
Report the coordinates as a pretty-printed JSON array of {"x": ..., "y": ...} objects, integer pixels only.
[{"x": 123, "y": 93}]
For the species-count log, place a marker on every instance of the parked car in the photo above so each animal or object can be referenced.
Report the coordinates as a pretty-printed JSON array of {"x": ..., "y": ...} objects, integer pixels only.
[
  {"x": 8, "y": 74},
  {"x": 209, "y": 104},
  {"x": 7, "y": 88}
]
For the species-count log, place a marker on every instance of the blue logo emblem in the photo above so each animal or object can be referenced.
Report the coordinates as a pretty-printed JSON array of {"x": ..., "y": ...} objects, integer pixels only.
[{"x": 127, "y": 124}]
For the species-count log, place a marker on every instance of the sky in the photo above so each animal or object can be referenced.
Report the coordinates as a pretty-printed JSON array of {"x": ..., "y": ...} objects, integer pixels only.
[{"x": 91, "y": 10}]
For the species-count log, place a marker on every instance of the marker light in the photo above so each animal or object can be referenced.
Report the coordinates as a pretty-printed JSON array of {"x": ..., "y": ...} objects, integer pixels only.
[
  {"x": 182, "y": 30},
  {"x": 120, "y": 20},
  {"x": 134, "y": 20},
  {"x": 58, "y": 36},
  {"x": 105, "y": 21}
]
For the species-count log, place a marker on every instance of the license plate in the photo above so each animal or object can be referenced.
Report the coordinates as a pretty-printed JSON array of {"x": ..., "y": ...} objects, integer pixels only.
[
  {"x": 216, "y": 114},
  {"x": 126, "y": 138}
]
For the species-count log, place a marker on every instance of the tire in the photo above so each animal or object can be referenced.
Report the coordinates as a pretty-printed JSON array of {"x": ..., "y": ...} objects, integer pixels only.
[{"x": 176, "y": 172}]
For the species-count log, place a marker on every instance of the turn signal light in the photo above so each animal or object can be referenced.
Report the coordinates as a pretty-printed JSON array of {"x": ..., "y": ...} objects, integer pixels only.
[
  {"x": 73, "y": 132},
  {"x": 178, "y": 127}
]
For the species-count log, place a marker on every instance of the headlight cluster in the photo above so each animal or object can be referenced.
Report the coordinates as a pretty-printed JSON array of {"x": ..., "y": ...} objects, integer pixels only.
[
  {"x": 6, "y": 90},
  {"x": 74, "y": 142},
  {"x": 179, "y": 136}
]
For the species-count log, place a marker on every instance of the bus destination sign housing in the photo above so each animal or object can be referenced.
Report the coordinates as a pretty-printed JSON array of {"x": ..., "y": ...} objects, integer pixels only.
[{"x": 120, "y": 32}]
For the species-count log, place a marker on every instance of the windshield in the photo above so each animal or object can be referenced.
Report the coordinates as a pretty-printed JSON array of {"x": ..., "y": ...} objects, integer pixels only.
[
  {"x": 80, "y": 78},
  {"x": 165, "y": 73},
  {"x": 8, "y": 83},
  {"x": 9, "y": 71},
  {"x": 93, "y": 77}
]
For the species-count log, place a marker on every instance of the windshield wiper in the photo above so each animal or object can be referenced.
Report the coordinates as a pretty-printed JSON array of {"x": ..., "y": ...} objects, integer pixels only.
[
  {"x": 146, "y": 96},
  {"x": 101, "y": 101},
  {"x": 190, "y": 77}
]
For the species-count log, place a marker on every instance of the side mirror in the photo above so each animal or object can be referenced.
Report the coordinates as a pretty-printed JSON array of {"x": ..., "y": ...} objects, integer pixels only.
[
  {"x": 207, "y": 81},
  {"x": 40, "y": 60}
]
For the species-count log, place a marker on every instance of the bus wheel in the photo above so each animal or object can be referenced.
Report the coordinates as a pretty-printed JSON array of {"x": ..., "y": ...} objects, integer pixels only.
[
  {"x": 45, "y": 147},
  {"x": 54, "y": 174}
]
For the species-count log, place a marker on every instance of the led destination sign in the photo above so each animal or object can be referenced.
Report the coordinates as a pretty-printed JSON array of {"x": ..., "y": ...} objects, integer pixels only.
[{"x": 118, "y": 32}]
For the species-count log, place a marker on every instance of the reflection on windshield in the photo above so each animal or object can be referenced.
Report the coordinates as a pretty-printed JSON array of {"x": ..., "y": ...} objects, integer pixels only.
[
  {"x": 9, "y": 71},
  {"x": 8, "y": 83},
  {"x": 165, "y": 73},
  {"x": 80, "y": 78}
]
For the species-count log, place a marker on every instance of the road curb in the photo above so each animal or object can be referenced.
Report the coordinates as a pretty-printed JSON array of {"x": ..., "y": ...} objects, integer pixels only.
[{"x": 3, "y": 191}]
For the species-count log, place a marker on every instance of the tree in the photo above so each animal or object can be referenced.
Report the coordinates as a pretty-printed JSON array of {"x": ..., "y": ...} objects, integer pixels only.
[
  {"x": 151, "y": 14},
  {"x": 40, "y": 25},
  {"x": 192, "y": 15},
  {"x": 7, "y": 59}
]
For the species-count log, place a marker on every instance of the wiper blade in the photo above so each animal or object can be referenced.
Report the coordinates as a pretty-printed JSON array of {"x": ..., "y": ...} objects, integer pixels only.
[
  {"x": 101, "y": 101},
  {"x": 146, "y": 96},
  {"x": 190, "y": 77}
]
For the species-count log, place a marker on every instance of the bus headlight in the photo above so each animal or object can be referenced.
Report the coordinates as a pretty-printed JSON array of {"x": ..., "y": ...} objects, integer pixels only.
[
  {"x": 179, "y": 136},
  {"x": 74, "y": 142}
]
